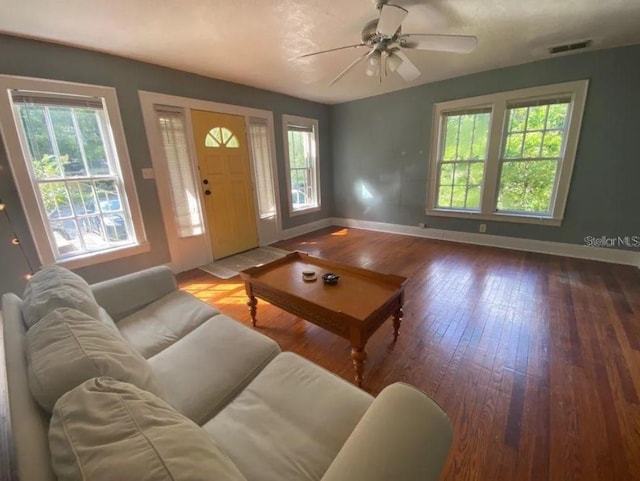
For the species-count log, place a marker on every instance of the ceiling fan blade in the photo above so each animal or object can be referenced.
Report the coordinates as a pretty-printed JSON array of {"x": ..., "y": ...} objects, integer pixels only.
[
  {"x": 332, "y": 50},
  {"x": 351, "y": 65},
  {"x": 407, "y": 70},
  {"x": 391, "y": 16},
  {"x": 441, "y": 43}
]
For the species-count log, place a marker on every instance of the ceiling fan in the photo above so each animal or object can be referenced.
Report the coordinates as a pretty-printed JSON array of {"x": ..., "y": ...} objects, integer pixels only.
[{"x": 385, "y": 43}]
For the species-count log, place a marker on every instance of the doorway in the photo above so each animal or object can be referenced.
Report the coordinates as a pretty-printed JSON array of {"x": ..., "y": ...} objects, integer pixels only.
[{"x": 225, "y": 177}]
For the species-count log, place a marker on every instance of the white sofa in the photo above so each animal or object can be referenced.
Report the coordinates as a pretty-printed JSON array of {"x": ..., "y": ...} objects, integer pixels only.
[{"x": 275, "y": 415}]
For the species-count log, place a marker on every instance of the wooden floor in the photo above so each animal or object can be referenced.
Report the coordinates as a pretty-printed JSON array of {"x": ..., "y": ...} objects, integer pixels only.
[{"x": 535, "y": 358}]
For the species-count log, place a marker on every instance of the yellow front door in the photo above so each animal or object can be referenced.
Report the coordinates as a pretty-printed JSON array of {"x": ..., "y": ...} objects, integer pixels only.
[{"x": 225, "y": 177}]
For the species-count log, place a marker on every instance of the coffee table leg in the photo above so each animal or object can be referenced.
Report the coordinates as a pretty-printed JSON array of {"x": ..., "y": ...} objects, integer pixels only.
[
  {"x": 359, "y": 356},
  {"x": 397, "y": 320},
  {"x": 253, "y": 308}
]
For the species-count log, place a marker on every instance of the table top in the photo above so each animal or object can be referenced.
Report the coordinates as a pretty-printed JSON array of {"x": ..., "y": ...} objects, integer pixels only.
[{"x": 358, "y": 293}]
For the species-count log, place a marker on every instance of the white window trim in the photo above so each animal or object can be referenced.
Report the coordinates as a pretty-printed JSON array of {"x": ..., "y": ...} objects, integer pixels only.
[
  {"x": 18, "y": 162},
  {"x": 306, "y": 122},
  {"x": 576, "y": 90}
]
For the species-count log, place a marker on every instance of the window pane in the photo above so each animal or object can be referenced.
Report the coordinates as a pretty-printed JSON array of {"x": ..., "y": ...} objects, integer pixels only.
[
  {"x": 43, "y": 158},
  {"x": 56, "y": 200},
  {"x": 513, "y": 148},
  {"x": 473, "y": 197},
  {"x": 552, "y": 145},
  {"x": 459, "y": 196},
  {"x": 557, "y": 116},
  {"x": 66, "y": 236},
  {"x": 537, "y": 116},
  {"x": 444, "y": 196},
  {"x": 526, "y": 186},
  {"x": 92, "y": 141},
  {"x": 476, "y": 173},
  {"x": 480, "y": 137},
  {"x": 67, "y": 141},
  {"x": 82, "y": 197},
  {"x": 451, "y": 137},
  {"x": 461, "y": 173},
  {"x": 446, "y": 174},
  {"x": 532, "y": 145},
  {"x": 465, "y": 138},
  {"x": 517, "y": 119}
]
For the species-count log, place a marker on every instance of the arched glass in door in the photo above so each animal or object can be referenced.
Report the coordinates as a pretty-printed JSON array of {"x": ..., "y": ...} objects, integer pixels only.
[{"x": 221, "y": 137}]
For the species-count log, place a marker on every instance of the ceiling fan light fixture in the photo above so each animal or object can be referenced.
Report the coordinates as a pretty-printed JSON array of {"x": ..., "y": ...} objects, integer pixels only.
[
  {"x": 373, "y": 63},
  {"x": 393, "y": 61}
]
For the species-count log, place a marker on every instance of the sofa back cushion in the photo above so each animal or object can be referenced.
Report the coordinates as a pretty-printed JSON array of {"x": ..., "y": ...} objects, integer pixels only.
[
  {"x": 54, "y": 287},
  {"x": 67, "y": 347},
  {"x": 106, "y": 430}
]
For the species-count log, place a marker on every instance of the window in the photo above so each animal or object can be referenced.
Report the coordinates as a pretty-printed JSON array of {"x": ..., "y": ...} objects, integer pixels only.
[
  {"x": 263, "y": 172},
  {"x": 184, "y": 195},
  {"x": 530, "y": 156},
  {"x": 462, "y": 159},
  {"x": 221, "y": 136},
  {"x": 507, "y": 156},
  {"x": 77, "y": 191},
  {"x": 301, "y": 141}
]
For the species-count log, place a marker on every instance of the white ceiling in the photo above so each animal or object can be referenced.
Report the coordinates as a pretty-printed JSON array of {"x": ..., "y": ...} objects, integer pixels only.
[{"x": 253, "y": 42}]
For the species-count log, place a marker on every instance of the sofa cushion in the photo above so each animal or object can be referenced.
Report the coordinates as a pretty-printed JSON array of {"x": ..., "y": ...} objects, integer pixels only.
[
  {"x": 312, "y": 411},
  {"x": 163, "y": 322},
  {"x": 205, "y": 369},
  {"x": 67, "y": 347},
  {"x": 106, "y": 430},
  {"x": 53, "y": 287}
]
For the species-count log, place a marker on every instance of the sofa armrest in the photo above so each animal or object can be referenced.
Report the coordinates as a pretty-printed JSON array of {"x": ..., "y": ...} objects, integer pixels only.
[
  {"x": 130, "y": 293},
  {"x": 403, "y": 436}
]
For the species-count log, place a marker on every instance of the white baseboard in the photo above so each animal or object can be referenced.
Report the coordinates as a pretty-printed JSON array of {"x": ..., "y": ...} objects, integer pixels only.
[
  {"x": 306, "y": 228},
  {"x": 615, "y": 256}
]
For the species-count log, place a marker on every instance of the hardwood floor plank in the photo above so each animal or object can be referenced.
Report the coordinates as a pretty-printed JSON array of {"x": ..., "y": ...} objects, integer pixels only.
[{"x": 535, "y": 358}]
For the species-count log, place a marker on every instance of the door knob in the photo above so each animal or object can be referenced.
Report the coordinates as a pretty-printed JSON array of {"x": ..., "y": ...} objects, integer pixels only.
[
  {"x": 207, "y": 192},
  {"x": 205, "y": 181}
]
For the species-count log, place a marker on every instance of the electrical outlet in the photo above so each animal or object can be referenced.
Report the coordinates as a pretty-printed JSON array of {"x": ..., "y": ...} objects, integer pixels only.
[
  {"x": 422, "y": 225},
  {"x": 483, "y": 227}
]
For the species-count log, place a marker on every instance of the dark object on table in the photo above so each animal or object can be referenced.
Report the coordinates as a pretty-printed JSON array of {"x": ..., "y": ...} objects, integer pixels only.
[{"x": 330, "y": 278}]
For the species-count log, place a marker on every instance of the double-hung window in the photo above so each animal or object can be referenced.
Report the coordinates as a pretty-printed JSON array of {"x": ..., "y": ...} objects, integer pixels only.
[
  {"x": 301, "y": 146},
  {"x": 67, "y": 152},
  {"x": 506, "y": 156}
]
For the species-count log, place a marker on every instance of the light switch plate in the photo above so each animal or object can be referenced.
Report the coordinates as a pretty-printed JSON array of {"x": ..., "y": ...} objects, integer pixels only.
[{"x": 148, "y": 174}]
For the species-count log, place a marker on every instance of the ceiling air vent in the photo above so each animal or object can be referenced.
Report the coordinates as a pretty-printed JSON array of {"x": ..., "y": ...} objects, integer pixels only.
[{"x": 570, "y": 47}]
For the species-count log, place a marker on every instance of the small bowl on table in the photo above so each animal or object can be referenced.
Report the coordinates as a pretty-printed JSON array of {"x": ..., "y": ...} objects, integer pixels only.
[
  {"x": 309, "y": 276},
  {"x": 330, "y": 278}
]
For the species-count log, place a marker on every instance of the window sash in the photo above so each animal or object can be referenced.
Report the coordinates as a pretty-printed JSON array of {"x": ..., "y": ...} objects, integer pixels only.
[
  {"x": 303, "y": 176},
  {"x": 467, "y": 163},
  {"x": 531, "y": 161},
  {"x": 70, "y": 235}
]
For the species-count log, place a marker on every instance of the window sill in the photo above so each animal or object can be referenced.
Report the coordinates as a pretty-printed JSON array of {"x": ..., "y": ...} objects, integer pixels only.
[
  {"x": 306, "y": 210},
  {"x": 516, "y": 218},
  {"x": 90, "y": 259}
]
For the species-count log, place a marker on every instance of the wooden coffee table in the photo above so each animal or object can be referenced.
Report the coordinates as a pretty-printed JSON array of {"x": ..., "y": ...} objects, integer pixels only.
[{"x": 354, "y": 308}]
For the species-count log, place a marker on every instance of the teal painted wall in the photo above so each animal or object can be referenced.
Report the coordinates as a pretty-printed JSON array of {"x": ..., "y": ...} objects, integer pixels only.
[
  {"x": 43, "y": 60},
  {"x": 384, "y": 142}
]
